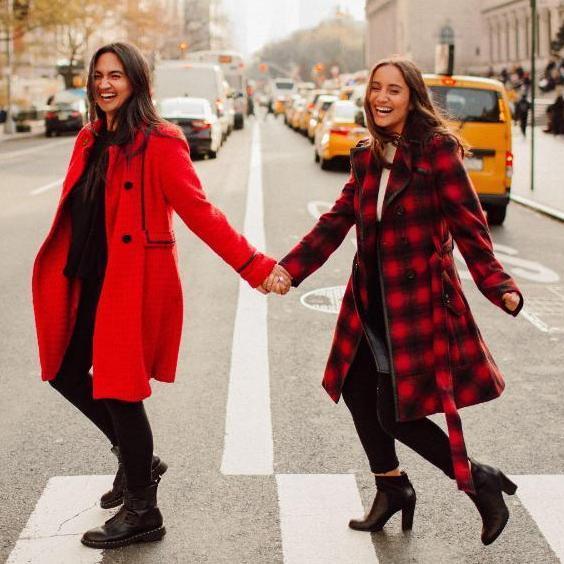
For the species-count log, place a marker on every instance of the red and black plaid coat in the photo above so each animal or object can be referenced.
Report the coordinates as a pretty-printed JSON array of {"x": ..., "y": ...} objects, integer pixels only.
[{"x": 439, "y": 359}]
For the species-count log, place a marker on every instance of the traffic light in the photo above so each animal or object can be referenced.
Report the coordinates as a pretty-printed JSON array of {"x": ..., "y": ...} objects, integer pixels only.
[
  {"x": 263, "y": 67},
  {"x": 318, "y": 68}
]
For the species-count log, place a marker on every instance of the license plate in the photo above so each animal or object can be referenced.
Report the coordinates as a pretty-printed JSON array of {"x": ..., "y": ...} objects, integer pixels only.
[{"x": 474, "y": 163}]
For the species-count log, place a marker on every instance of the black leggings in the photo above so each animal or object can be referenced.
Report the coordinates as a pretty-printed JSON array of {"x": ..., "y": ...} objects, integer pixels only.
[
  {"x": 369, "y": 397},
  {"x": 124, "y": 423}
]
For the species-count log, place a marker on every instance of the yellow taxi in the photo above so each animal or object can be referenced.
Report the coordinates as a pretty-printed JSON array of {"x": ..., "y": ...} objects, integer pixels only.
[
  {"x": 323, "y": 103},
  {"x": 478, "y": 108},
  {"x": 341, "y": 129},
  {"x": 298, "y": 114}
]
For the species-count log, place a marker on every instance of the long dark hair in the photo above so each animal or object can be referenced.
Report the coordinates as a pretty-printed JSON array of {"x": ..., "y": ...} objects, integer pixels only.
[
  {"x": 424, "y": 118},
  {"x": 138, "y": 111}
]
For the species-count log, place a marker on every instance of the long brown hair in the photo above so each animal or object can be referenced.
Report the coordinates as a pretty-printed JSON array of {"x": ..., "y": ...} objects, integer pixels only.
[
  {"x": 138, "y": 110},
  {"x": 423, "y": 121}
]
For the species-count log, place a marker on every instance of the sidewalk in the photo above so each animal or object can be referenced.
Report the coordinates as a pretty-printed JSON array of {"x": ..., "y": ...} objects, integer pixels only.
[
  {"x": 37, "y": 128},
  {"x": 548, "y": 193}
]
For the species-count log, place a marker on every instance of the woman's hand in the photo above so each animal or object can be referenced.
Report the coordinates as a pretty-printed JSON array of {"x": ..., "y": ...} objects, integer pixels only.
[
  {"x": 511, "y": 300},
  {"x": 279, "y": 281}
]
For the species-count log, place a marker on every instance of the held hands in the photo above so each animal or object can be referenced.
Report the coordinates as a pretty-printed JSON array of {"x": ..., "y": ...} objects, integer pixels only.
[
  {"x": 278, "y": 281},
  {"x": 511, "y": 300}
]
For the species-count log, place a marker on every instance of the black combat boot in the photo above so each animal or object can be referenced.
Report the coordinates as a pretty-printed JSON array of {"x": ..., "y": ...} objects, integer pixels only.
[
  {"x": 114, "y": 497},
  {"x": 138, "y": 520},
  {"x": 394, "y": 493},
  {"x": 489, "y": 483}
]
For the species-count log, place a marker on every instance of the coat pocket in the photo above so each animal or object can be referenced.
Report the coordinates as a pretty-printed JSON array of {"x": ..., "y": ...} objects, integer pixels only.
[
  {"x": 452, "y": 297},
  {"x": 159, "y": 238}
]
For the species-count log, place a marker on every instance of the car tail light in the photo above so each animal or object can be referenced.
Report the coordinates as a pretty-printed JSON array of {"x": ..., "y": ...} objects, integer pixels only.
[
  {"x": 310, "y": 107},
  {"x": 508, "y": 164},
  {"x": 50, "y": 115},
  {"x": 200, "y": 125},
  {"x": 340, "y": 131}
]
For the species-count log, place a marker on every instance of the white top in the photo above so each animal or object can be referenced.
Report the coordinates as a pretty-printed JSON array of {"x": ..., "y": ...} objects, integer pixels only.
[{"x": 389, "y": 154}]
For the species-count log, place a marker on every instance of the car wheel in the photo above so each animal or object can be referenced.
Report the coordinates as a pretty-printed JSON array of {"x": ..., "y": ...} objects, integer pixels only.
[
  {"x": 212, "y": 154},
  {"x": 48, "y": 133},
  {"x": 324, "y": 163},
  {"x": 316, "y": 155},
  {"x": 496, "y": 214}
]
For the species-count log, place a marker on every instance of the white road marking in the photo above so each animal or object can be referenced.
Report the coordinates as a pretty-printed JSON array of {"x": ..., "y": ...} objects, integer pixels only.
[
  {"x": 248, "y": 448},
  {"x": 67, "y": 508},
  {"x": 548, "y": 210},
  {"x": 327, "y": 300},
  {"x": 30, "y": 150},
  {"x": 314, "y": 509},
  {"x": 46, "y": 187},
  {"x": 543, "y": 498}
]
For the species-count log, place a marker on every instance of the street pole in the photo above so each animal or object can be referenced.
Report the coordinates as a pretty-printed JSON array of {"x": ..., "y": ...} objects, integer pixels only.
[
  {"x": 9, "y": 123},
  {"x": 533, "y": 86}
]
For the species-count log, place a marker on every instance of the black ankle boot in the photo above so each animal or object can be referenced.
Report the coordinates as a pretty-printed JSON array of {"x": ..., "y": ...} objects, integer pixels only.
[
  {"x": 114, "y": 497},
  {"x": 489, "y": 482},
  {"x": 394, "y": 493},
  {"x": 139, "y": 520}
]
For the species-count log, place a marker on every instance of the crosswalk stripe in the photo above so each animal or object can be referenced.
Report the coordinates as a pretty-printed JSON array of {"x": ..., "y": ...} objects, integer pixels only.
[
  {"x": 313, "y": 513},
  {"x": 248, "y": 448},
  {"x": 67, "y": 508},
  {"x": 543, "y": 498}
]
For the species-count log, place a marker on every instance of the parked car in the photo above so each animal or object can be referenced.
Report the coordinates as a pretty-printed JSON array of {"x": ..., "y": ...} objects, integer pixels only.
[
  {"x": 479, "y": 111},
  {"x": 179, "y": 78},
  {"x": 64, "y": 117},
  {"x": 341, "y": 129},
  {"x": 199, "y": 123}
]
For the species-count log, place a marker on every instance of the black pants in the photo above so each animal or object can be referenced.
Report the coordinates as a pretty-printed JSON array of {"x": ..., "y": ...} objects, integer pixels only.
[
  {"x": 124, "y": 423},
  {"x": 369, "y": 397}
]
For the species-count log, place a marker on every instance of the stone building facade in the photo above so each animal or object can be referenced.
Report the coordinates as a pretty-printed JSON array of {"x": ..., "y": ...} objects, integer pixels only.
[{"x": 486, "y": 34}]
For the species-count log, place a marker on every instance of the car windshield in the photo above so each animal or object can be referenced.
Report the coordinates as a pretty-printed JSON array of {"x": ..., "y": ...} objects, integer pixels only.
[
  {"x": 182, "y": 107},
  {"x": 284, "y": 85},
  {"x": 468, "y": 104},
  {"x": 346, "y": 111}
]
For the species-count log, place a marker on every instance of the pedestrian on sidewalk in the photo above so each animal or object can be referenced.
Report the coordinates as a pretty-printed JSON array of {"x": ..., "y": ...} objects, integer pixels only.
[
  {"x": 522, "y": 109},
  {"x": 106, "y": 287},
  {"x": 406, "y": 344}
]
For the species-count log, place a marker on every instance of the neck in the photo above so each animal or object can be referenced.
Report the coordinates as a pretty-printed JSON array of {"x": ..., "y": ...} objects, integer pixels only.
[{"x": 110, "y": 122}]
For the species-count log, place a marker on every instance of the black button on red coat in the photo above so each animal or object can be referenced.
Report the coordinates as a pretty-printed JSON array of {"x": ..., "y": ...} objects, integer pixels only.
[
  {"x": 126, "y": 238},
  {"x": 128, "y": 185}
]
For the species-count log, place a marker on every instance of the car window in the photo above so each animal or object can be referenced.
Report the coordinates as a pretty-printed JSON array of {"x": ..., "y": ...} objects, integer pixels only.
[
  {"x": 468, "y": 104},
  {"x": 345, "y": 111},
  {"x": 180, "y": 106}
]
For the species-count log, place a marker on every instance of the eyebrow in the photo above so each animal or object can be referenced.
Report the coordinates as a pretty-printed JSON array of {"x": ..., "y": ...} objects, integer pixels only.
[
  {"x": 396, "y": 85},
  {"x": 109, "y": 72}
]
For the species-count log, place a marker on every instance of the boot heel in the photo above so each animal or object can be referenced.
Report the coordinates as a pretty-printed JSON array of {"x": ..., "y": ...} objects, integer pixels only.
[
  {"x": 507, "y": 485},
  {"x": 407, "y": 514}
]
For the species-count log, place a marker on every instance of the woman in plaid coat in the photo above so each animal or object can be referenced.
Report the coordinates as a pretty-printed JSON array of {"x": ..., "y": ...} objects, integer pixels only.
[{"x": 406, "y": 344}]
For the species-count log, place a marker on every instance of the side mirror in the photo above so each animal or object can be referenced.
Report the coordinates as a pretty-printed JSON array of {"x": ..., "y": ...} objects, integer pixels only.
[{"x": 359, "y": 119}]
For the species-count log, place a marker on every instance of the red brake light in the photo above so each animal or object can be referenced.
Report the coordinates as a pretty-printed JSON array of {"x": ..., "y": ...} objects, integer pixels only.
[
  {"x": 50, "y": 115},
  {"x": 508, "y": 164},
  {"x": 75, "y": 114},
  {"x": 200, "y": 125},
  {"x": 339, "y": 131}
]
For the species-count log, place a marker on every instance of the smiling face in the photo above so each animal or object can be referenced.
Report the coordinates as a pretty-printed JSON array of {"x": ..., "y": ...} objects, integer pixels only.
[
  {"x": 389, "y": 99},
  {"x": 111, "y": 86}
]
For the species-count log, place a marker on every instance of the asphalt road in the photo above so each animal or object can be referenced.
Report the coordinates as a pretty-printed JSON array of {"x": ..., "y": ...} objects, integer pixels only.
[{"x": 213, "y": 517}]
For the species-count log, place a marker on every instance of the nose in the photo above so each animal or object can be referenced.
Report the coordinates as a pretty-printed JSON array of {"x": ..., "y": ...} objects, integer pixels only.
[{"x": 104, "y": 83}]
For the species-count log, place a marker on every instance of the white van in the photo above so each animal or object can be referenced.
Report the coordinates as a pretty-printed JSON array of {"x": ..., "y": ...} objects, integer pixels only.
[{"x": 174, "y": 79}]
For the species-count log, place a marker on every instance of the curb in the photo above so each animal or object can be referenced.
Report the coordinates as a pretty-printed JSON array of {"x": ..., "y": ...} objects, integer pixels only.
[
  {"x": 12, "y": 136},
  {"x": 546, "y": 210}
]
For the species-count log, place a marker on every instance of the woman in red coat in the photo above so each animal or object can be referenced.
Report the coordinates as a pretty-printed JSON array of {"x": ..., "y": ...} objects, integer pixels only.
[
  {"x": 406, "y": 344},
  {"x": 106, "y": 289}
]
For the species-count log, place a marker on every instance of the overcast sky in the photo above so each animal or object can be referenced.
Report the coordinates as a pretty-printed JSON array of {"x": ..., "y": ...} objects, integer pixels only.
[{"x": 256, "y": 22}]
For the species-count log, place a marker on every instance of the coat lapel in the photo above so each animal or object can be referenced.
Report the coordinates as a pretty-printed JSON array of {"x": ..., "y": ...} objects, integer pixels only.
[{"x": 400, "y": 176}]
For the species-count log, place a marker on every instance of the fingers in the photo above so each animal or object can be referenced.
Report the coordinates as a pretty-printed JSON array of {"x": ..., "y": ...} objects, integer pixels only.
[
  {"x": 278, "y": 281},
  {"x": 511, "y": 300}
]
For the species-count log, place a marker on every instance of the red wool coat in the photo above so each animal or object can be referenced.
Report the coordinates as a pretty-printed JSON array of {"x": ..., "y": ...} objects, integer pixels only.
[
  {"x": 439, "y": 359},
  {"x": 139, "y": 316}
]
